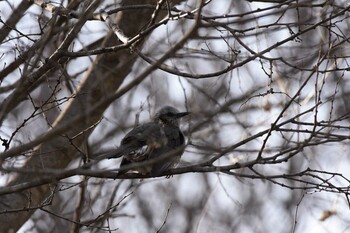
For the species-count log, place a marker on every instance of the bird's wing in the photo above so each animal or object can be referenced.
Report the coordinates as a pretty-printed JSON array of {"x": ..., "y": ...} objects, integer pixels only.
[
  {"x": 139, "y": 142},
  {"x": 132, "y": 141}
]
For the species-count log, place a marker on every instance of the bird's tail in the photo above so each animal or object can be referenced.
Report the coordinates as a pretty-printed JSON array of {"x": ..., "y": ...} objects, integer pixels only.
[{"x": 111, "y": 155}]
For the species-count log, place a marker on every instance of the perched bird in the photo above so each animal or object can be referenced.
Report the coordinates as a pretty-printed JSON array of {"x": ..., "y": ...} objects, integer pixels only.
[{"x": 160, "y": 142}]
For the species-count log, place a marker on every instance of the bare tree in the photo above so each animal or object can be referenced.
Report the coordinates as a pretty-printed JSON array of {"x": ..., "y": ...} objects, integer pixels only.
[{"x": 267, "y": 83}]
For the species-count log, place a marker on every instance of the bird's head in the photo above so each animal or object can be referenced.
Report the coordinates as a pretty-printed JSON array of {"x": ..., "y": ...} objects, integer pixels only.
[{"x": 169, "y": 116}]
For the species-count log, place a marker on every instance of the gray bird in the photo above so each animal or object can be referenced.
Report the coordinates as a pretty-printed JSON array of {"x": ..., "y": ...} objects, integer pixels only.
[{"x": 160, "y": 141}]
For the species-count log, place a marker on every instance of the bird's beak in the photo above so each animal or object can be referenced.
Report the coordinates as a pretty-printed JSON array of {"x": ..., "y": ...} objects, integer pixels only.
[{"x": 182, "y": 114}]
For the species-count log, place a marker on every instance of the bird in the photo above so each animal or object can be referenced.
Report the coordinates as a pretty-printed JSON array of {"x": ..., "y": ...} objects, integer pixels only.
[{"x": 159, "y": 142}]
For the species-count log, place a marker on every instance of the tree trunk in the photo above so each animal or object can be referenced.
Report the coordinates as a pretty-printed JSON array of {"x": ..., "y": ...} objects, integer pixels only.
[{"x": 104, "y": 77}]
